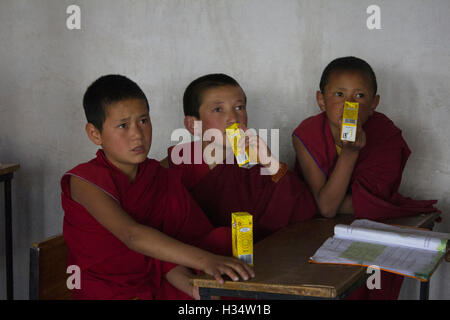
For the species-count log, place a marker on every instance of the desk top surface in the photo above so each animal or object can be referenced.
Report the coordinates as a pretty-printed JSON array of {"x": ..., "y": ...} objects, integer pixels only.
[
  {"x": 281, "y": 261},
  {"x": 6, "y": 168}
]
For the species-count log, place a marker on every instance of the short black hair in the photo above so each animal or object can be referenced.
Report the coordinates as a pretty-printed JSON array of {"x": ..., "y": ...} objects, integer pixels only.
[
  {"x": 348, "y": 64},
  {"x": 192, "y": 98},
  {"x": 105, "y": 91}
]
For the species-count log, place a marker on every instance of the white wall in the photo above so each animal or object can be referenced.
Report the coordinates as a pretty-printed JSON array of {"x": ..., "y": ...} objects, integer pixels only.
[{"x": 275, "y": 49}]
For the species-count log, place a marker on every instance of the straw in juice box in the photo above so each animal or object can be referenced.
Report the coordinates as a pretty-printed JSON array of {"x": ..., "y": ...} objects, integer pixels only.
[
  {"x": 349, "y": 121},
  {"x": 241, "y": 155},
  {"x": 242, "y": 236}
]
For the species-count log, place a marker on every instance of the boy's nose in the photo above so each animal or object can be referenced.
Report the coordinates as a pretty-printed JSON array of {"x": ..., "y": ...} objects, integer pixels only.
[
  {"x": 136, "y": 131},
  {"x": 231, "y": 118}
]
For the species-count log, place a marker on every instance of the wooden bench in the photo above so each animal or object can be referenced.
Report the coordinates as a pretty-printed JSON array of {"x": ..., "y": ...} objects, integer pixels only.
[{"x": 48, "y": 265}]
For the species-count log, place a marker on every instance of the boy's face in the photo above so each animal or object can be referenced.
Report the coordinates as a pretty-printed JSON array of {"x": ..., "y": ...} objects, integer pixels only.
[
  {"x": 127, "y": 133},
  {"x": 220, "y": 108},
  {"x": 352, "y": 86}
]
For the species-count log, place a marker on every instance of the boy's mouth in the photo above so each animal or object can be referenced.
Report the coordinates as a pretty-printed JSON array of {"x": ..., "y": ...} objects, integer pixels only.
[{"x": 138, "y": 149}]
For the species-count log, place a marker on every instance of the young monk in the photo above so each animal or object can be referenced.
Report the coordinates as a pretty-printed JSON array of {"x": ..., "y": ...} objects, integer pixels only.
[
  {"x": 361, "y": 177},
  {"x": 124, "y": 212},
  {"x": 274, "y": 196}
]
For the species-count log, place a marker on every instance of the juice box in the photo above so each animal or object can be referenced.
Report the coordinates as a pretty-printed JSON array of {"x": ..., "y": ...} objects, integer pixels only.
[
  {"x": 242, "y": 156},
  {"x": 242, "y": 236},
  {"x": 349, "y": 121}
]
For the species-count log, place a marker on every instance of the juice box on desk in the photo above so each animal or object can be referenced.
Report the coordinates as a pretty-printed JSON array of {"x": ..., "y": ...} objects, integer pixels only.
[
  {"x": 242, "y": 236},
  {"x": 349, "y": 121}
]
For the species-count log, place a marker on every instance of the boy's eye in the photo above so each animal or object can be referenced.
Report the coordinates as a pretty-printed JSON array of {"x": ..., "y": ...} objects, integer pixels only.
[
  {"x": 144, "y": 121},
  {"x": 360, "y": 95},
  {"x": 122, "y": 125},
  {"x": 240, "y": 108},
  {"x": 217, "y": 109},
  {"x": 339, "y": 94}
]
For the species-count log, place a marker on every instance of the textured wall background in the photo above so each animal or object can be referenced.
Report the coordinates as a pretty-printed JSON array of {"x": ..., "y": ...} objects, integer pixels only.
[{"x": 275, "y": 49}]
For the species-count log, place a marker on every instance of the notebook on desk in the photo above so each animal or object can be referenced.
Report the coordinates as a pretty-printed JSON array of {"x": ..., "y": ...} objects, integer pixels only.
[{"x": 403, "y": 250}]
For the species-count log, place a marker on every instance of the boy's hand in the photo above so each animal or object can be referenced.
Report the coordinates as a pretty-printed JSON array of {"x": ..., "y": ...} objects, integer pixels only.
[
  {"x": 359, "y": 143},
  {"x": 216, "y": 266},
  {"x": 263, "y": 153}
]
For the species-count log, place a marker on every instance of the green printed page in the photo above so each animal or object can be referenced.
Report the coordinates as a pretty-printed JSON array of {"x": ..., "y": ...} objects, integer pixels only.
[
  {"x": 443, "y": 246},
  {"x": 362, "y": 252},
  {"x": 427, "y": 270},
  {"x": 400, "y": 250}
]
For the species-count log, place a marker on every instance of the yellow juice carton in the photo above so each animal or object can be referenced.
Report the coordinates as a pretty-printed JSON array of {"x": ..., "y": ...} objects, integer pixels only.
[
  {"x": 243, "y": 157},
  {"x": 242, "y": 236},
  {"x": 349, "y": 121}
]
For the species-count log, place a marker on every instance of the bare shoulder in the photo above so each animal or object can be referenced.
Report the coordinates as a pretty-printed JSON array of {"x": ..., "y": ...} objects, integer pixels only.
[
  {"x": 300, "y": 149},
  {"x": 82, "y": 191},
  {"x": 105, "y": 209},
  {"x": 312, "y": 174}
]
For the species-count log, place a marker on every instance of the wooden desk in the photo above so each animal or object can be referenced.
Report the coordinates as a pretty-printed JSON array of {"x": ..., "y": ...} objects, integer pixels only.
[
  {"x": 283, "y": 271},
  {"x": 6, "y": 175}
]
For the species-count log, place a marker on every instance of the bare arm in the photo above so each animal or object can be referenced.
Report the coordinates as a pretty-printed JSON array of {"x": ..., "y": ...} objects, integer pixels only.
[
  {"x": 149, "y": 241},
  {"x": 264, "y": 156},
  {"x": 330, "y": 195},
  {"x": 347, "y": 205}
]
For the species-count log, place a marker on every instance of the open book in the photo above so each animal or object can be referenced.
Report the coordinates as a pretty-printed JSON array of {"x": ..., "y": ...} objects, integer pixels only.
[{"x": 404, "y": 250}]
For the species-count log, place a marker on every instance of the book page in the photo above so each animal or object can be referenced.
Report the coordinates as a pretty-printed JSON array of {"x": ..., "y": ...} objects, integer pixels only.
[
  {"x": 407, "y": 251},
  {"x": 417, "y": 263}
]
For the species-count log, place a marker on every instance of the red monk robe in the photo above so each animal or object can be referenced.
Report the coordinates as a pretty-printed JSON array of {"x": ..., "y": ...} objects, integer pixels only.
[
  {"x": 109, "y": 269},
  {"x": 378, "y": 170},
  {"x": 374, "y": 182},
  {"x": 228, "y": 188}
]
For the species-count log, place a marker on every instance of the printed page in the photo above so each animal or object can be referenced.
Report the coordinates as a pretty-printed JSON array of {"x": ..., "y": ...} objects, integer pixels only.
[
  {"x": 417, "y": 263},
  {"x": 370, "y": 231},
  {"x": 406, "y": 251}
]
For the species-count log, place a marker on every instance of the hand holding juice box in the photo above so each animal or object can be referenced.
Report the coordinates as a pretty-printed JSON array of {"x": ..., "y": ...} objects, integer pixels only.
[
  {"x": 242, "y": 155},
  {"x": 349, "y": 121}
]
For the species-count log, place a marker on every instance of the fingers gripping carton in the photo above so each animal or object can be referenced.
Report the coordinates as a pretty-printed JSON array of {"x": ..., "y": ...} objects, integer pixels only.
[
  {"x": 243, "y": 156},
  {"x": 349, "y": 121}
]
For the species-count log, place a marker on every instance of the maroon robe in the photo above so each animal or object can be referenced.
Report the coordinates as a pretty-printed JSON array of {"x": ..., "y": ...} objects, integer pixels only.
[
  {"x": 228, "y": 188},
  {"x": 156, "y": 198},
  {"x": 375, "y": 180},
  {"x": 378, "y": 171}
]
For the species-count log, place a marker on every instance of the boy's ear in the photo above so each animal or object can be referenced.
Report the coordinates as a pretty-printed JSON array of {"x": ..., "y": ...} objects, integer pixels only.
[
  {"x": 320, "y": 100},
  {"x": 189, "y": 123},
  {"x": 93, "y": 134},
  {"x": 375, "y": 103}
]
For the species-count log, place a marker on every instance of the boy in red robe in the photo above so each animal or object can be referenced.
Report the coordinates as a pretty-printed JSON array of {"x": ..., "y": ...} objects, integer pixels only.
[
  {"x": 128, "y": 221},
  {"x": 275, "y": 198},
  {"x": 361, "y": 177}
]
